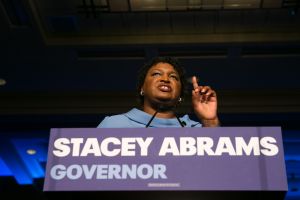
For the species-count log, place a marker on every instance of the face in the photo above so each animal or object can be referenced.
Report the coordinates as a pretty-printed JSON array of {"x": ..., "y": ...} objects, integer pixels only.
[{"x": 162, "y": 85}]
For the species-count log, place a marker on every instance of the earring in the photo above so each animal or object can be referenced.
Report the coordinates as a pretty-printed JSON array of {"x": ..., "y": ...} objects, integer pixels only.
[
  {"x": 180, "y": 100},
  {"x": 142, "y": 93}
]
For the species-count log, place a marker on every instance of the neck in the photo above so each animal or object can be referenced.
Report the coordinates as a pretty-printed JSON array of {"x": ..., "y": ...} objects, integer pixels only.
[{"x": 163, "y": 112}]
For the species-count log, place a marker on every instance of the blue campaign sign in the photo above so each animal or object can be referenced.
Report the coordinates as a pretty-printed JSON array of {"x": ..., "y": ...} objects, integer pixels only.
[{"x": 182, "y": 159}]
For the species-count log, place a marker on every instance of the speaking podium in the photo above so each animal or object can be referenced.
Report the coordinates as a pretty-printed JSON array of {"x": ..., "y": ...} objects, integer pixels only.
[{"x": 166, "y": 163}]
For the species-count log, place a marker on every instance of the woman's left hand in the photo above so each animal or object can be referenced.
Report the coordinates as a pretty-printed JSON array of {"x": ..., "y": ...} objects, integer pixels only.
[{"x": 204, "y": 101}]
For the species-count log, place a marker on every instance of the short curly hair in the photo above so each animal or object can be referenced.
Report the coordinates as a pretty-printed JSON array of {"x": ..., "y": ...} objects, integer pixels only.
[{"x": 170, "y": 60}]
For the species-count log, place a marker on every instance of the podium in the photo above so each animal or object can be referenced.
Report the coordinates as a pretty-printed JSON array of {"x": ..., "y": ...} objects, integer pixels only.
[{"x": 166, "y": 163}]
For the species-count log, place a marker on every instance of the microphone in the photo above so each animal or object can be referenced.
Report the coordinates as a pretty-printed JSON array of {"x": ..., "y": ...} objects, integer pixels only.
[
  {"x": 151, "y": 119},
  {"x": 182, "y": 123}
]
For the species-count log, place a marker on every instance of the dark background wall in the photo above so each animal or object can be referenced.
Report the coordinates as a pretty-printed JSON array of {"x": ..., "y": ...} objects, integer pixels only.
[{"x": 70, "y": 63}]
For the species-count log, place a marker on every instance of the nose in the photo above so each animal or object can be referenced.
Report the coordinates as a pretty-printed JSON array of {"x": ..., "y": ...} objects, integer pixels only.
[{"x": 165, "y": 78}]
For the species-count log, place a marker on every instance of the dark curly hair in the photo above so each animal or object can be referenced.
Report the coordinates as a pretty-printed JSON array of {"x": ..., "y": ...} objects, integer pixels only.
[{"x": 172, "y": 61}]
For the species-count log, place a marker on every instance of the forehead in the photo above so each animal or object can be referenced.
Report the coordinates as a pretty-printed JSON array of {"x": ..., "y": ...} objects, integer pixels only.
[{"x": 164, "y": 67}]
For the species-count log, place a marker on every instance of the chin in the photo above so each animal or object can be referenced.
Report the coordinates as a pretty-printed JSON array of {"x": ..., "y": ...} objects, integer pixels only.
[{"x": 166, "y": 101}]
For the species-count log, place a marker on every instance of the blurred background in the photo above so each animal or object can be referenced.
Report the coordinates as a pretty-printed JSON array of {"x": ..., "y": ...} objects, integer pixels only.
[{"x": 69, "y": 63}]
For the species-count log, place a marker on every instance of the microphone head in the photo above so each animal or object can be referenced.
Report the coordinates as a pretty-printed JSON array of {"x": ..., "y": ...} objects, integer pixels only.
[{"x": 183, "y": 123}]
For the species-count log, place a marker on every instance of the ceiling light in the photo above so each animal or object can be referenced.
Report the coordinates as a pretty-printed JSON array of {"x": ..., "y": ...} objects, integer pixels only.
[
  {"x": 31, "y": 151},
  {"x": 2, "y": 81}
]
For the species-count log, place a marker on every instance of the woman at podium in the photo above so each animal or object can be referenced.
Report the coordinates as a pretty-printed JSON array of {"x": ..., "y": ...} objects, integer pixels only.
[{"x": 161, "y": 88}]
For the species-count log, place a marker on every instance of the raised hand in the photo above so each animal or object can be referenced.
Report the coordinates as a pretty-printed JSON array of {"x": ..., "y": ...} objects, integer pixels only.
[{"x": 204, "y": 101}]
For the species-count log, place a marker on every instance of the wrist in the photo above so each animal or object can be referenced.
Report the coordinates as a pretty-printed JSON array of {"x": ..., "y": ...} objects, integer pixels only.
[{"x": 211, "y": 122}]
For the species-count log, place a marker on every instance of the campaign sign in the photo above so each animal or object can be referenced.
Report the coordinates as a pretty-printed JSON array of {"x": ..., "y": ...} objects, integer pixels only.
[{"x": 164, "y": 159}]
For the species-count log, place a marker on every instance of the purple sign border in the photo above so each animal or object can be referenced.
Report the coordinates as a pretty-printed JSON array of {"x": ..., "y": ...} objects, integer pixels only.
[{"x": 184, "y": 173}]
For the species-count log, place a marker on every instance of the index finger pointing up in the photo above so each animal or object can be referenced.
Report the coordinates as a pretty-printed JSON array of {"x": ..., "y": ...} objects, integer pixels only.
[{"x": 195, "y": 83}]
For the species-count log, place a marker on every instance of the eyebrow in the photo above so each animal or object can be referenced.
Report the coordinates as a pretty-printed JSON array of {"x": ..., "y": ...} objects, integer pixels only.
[{"x": 172, "y": 72}]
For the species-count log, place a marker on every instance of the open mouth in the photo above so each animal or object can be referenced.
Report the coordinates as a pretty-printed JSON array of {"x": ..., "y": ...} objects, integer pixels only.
[{"x": 164, "y": 88}]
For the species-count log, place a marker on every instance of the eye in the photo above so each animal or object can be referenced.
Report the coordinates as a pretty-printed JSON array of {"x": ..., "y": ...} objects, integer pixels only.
[
  {"x": 155, "y": 74},
  {"x": 173, "y": 76}
]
